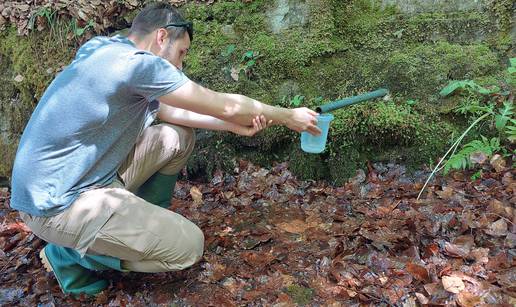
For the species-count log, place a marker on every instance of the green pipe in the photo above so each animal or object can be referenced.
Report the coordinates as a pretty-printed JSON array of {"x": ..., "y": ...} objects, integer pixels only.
[{"x": 332, "y": 106}]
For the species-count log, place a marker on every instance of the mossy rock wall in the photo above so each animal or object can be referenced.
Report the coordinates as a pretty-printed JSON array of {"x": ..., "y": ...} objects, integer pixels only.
[
  {"x": 320, "y": 49},
  {"x": 343, "y": 48},
  {"x": 27, "y": 65}
]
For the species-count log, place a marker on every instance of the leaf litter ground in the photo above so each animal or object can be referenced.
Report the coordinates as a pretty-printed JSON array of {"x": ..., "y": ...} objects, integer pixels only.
[{"x": 273, "y": 240}]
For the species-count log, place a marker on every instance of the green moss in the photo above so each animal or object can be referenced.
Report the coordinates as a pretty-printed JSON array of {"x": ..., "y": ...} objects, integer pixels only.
[
  {"x": 23, "y": 60},
  {"x": 31, "y": 60},
  {"x": 383, "y": 132},
  {"x": 458, "y": 28},
  {"x": 12, "y": 116},
  {"x": 7, "y": 152},
  {"x": 306, "y": 165},
  {"x": 343, "y": 74},
  {"x": 344, "y": 162},
  {"x": 502, "y": 11},
  {"x": 36, "y": 58},
  {"x": 300, "y": 295},
  {"x": 360, "y": 23},
  {"x": 200, "y": 59},
  {"x": 211, "y": 153},
  {"x": 346, "y": 48},
  {"x": 424, "y": 69},
  {"x": 271, "y": 139}
]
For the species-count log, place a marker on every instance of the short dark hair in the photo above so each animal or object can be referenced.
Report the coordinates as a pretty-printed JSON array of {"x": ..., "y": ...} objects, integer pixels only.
[{"x": 156, "y": 15}]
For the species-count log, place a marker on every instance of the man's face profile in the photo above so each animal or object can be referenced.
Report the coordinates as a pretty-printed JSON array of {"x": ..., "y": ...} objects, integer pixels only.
[{"x": 175, "y": 51}]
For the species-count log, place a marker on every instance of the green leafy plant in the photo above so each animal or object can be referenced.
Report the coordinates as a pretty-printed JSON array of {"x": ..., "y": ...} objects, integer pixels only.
[
  {"x": 511, "y": 130},
  {"x": 504, "y": 115},
  {"x": 297, "y": 100},
  {"x": 463, "y": 158},
  {"x": 474, "y": 107},
  {"x": 319, "y": 100},
  {"x": 44, "y": 12},
  {"x": 412, "y": 102},
  {"x": 249, "y": 59},
  {"x": 79, "y": 31},
  {"x": 230, "y": 49},
  {"x": 502, "y": 118},
  {"x": 468, "y": 86},
  {"x": 476, "y": 175},
  {"x": 512, "y": 68},
  {"x": 247, "y": 62}
]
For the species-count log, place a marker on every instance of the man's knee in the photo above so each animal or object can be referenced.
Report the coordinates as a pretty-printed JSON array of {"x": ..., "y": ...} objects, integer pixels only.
[
  {"x": 177, "y": 138},
  {"x": 196, "y": 246},
  {"x": 178, "y": 142},
  {"x": 190, "y": 252}
]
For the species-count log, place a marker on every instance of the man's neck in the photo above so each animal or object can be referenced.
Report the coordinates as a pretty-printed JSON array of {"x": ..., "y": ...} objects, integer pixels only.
[{"x": 141, "y": 43}]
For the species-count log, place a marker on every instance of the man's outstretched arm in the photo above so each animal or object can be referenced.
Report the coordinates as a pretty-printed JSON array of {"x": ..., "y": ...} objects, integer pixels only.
[
  {"x": 192, "y": 119},
  {"x": 238, "y": 109}
]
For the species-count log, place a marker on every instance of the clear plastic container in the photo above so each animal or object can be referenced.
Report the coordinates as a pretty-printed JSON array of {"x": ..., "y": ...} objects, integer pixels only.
[{"x": 316, "y": 144}]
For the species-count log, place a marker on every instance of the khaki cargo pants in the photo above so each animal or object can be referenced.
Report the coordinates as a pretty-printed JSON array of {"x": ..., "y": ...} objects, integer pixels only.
[{"x": 114, "y": 221}]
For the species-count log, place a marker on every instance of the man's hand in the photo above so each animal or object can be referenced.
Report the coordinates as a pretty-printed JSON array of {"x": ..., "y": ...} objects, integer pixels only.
[
  {"x": 303, "y": 119},
  {"x": 259, "y": 123}
]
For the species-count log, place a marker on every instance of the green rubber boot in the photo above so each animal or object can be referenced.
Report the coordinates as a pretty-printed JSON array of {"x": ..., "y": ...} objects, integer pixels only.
[
  {"x": 158, "y": 189},
  {"x": 73, "y": 273}
]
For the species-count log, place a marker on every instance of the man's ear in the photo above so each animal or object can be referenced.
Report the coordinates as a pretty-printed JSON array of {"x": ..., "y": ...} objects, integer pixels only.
[{"x": 161, "y": 35}]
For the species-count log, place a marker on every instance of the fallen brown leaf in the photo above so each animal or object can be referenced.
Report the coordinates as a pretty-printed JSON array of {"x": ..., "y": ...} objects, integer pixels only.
[
  {"x": 196, "y": 195},
  {"x": 498, "y": 228},
  {"x": 498, "y": 162},
  {"x": 454, "y": 250},
  {"x": 295, "y": 226},
  {"x": 466, "y": 299},
  {"x": 453, "y": 284},
  {"x": 419, "y": 272},
  {"x": 423, "y": 300},
  {"x": 478, "y": 157}
]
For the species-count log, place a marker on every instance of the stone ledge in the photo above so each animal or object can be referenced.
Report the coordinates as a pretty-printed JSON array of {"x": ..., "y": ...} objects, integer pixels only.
[
  {"x": 435, "y": 6},
  {"x": 453, "y": 28}
]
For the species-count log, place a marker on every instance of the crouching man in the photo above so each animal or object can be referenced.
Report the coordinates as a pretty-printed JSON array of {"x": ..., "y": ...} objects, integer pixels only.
[{"x": 92, "y": 177}]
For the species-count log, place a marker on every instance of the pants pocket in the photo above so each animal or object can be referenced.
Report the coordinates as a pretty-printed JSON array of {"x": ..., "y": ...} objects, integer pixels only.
[
  {"x": 62, "y": 224},
  {"x": 51, "y": 229},
  {"x": 125, "y": 242}
]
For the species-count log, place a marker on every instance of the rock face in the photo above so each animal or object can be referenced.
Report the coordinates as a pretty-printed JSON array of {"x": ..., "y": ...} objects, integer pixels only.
[
  {"x": 287, "y": 13},
  {"x": 9, "y": 108},
  {"x": 432, "y": 6},
  {"x": 320, "y": 50}
]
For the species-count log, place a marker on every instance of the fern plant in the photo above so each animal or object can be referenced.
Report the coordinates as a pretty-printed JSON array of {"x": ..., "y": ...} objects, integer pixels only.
[
  {"x": 510, "y": 130},
  {"x": 466, "y": 85},
  {"x": 502, "y": 118},
  {"x": 462, "y": 159}
]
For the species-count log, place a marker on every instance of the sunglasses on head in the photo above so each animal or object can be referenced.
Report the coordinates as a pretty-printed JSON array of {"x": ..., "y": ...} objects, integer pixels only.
[{"x": 185, "y": 24}]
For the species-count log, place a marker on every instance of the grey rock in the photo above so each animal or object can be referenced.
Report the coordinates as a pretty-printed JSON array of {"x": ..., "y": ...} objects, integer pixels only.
[
  {"x": 285, "y": 14},
  {"x": 289, "y": 89},
  {"x": 229, "y": 31}
]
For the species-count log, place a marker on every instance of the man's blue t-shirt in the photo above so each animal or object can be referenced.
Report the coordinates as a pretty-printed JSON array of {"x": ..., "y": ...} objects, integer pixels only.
[{"x": 86, "y": 123}]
